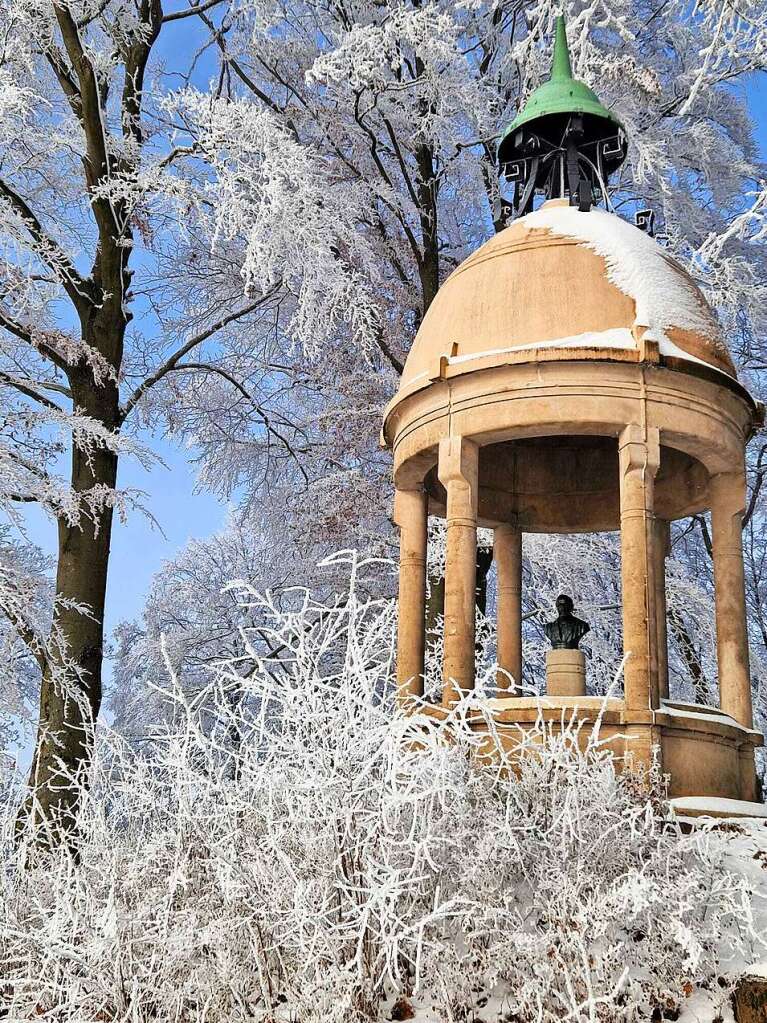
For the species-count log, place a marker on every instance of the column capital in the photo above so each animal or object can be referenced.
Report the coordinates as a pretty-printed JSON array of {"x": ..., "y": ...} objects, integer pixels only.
[
  {"x": 506, "y": 529},
  {"x": 407, "y": 504},
  {"x": 458, "y": 472},
  {"x": 727, "y": 492},
  {"x": 639, "y": 449},
  {"x": 458, "y": 458}
]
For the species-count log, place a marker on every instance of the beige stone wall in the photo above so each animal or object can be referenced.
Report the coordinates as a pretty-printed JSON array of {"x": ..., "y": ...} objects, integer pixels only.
[{"x": 700, "y": 757}]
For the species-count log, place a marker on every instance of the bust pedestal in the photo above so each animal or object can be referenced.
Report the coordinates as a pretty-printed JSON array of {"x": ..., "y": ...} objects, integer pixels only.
[{"x": 565, "y": 673}]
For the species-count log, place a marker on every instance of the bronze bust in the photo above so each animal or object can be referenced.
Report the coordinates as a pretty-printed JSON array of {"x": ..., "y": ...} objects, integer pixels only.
[{"x": 567, "y": 631}]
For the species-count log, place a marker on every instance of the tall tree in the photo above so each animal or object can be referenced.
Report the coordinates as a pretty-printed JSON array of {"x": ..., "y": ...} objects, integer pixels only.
[{"x": 84, "y": 165}]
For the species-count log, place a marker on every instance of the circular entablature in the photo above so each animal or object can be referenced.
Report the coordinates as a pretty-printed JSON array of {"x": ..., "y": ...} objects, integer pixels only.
[
  {"x": 570, "y": 484},
  {"x": 706, "y": 422}
]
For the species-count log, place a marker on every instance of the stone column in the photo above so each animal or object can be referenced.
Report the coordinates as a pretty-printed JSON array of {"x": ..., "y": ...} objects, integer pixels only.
[
  {"x": 639, "y": 452},
  {"x": 727, "y": 499},
  {"x": 507, "y": 551},
  {"x": 410, "y": 514},
  {"x": 661, "y": 546},
  {"x": 458, "y": 473}
]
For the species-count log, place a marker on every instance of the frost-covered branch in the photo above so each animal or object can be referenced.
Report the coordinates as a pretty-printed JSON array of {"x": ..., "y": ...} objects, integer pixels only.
[
  {"x": 194, "y": 342},
  {"x": 286, "y": 844}
]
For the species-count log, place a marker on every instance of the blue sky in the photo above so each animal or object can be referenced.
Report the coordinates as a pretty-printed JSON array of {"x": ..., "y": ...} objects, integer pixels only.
[
  {"x": 139, "y": 547},
  {"x": 757, "y": 97},
  {"x": 181, "y": 512}
]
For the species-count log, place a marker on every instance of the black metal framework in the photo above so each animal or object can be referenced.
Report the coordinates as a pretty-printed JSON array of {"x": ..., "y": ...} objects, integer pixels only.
[{"x": 562, "y": 155}]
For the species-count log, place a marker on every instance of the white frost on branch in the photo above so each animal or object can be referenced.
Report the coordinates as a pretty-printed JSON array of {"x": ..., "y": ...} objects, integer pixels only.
[{"x": 282, "y": 198}]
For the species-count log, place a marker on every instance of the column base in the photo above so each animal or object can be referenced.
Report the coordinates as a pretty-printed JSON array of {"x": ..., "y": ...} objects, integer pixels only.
[
  {"x": 565, "y": 673},
  {"x": 749, "y": 788}
]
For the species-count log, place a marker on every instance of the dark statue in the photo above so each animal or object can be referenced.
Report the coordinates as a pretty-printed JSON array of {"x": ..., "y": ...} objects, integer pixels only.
[{"x": 567, "y": 631}]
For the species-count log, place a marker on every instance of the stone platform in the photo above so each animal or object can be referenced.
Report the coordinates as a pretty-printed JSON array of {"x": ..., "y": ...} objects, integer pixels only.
[{"x": 705, "y": 752}]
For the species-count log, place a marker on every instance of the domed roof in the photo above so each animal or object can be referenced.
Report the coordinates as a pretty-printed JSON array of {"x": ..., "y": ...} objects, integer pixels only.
[{"x": 561, "y": 284}]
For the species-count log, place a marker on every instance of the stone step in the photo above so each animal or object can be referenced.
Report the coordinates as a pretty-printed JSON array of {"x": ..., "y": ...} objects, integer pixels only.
[{"x": 714, "y": 806}]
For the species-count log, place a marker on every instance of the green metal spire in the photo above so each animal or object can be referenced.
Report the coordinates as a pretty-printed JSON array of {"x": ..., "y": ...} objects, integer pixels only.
[
  {"x": 563, "y": 142},
  {"x": 561, "y": 94},
  {"x": 560, "y": 64}
]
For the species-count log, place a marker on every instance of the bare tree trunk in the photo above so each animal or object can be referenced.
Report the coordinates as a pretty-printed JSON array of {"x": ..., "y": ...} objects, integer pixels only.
[
  {"x": 71, "y": 689},
  {"x": 484, "y": 564},
  {"x": 427, "y": 200},
  {"x": 690, "y": 654},
  {"x": 435, "y": 604}
]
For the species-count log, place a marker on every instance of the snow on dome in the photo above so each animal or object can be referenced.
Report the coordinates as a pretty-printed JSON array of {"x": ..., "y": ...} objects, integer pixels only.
[
  {"x": 640, "y": 268},
  {"x": 562, "y": 285}
]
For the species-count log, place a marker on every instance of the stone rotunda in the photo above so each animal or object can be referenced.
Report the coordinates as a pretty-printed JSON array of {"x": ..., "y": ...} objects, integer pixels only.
[{"x": 570, "y": 377}]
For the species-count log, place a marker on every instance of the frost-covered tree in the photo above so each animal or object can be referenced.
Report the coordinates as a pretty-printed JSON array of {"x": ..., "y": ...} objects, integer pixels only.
[
  {"x": 103, "y": 297},
  {"x": 238, "y": 252},
  {"x": 27, "y": 601},
  {"x": 192, "y": 620}
]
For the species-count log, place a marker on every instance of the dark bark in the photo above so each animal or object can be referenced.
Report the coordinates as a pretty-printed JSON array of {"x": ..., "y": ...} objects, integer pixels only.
[
  {"x": 71, "y": 689},
  {"x": 427, "y": 204},
  {"x": 484, "y": 564},
  {"x": 435, "y": 602},
  {"x": 690, "y": 655},
  {"x": 435, "y": 605}
]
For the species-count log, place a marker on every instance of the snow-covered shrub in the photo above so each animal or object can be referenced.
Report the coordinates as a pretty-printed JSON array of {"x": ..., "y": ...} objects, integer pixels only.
[{"x": 315, "y": 856}]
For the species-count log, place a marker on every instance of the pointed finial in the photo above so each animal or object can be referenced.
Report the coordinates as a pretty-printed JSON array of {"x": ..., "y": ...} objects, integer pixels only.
[
  {"x": 563, "y": 141},
  {"x": 561, "y": 68}
]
